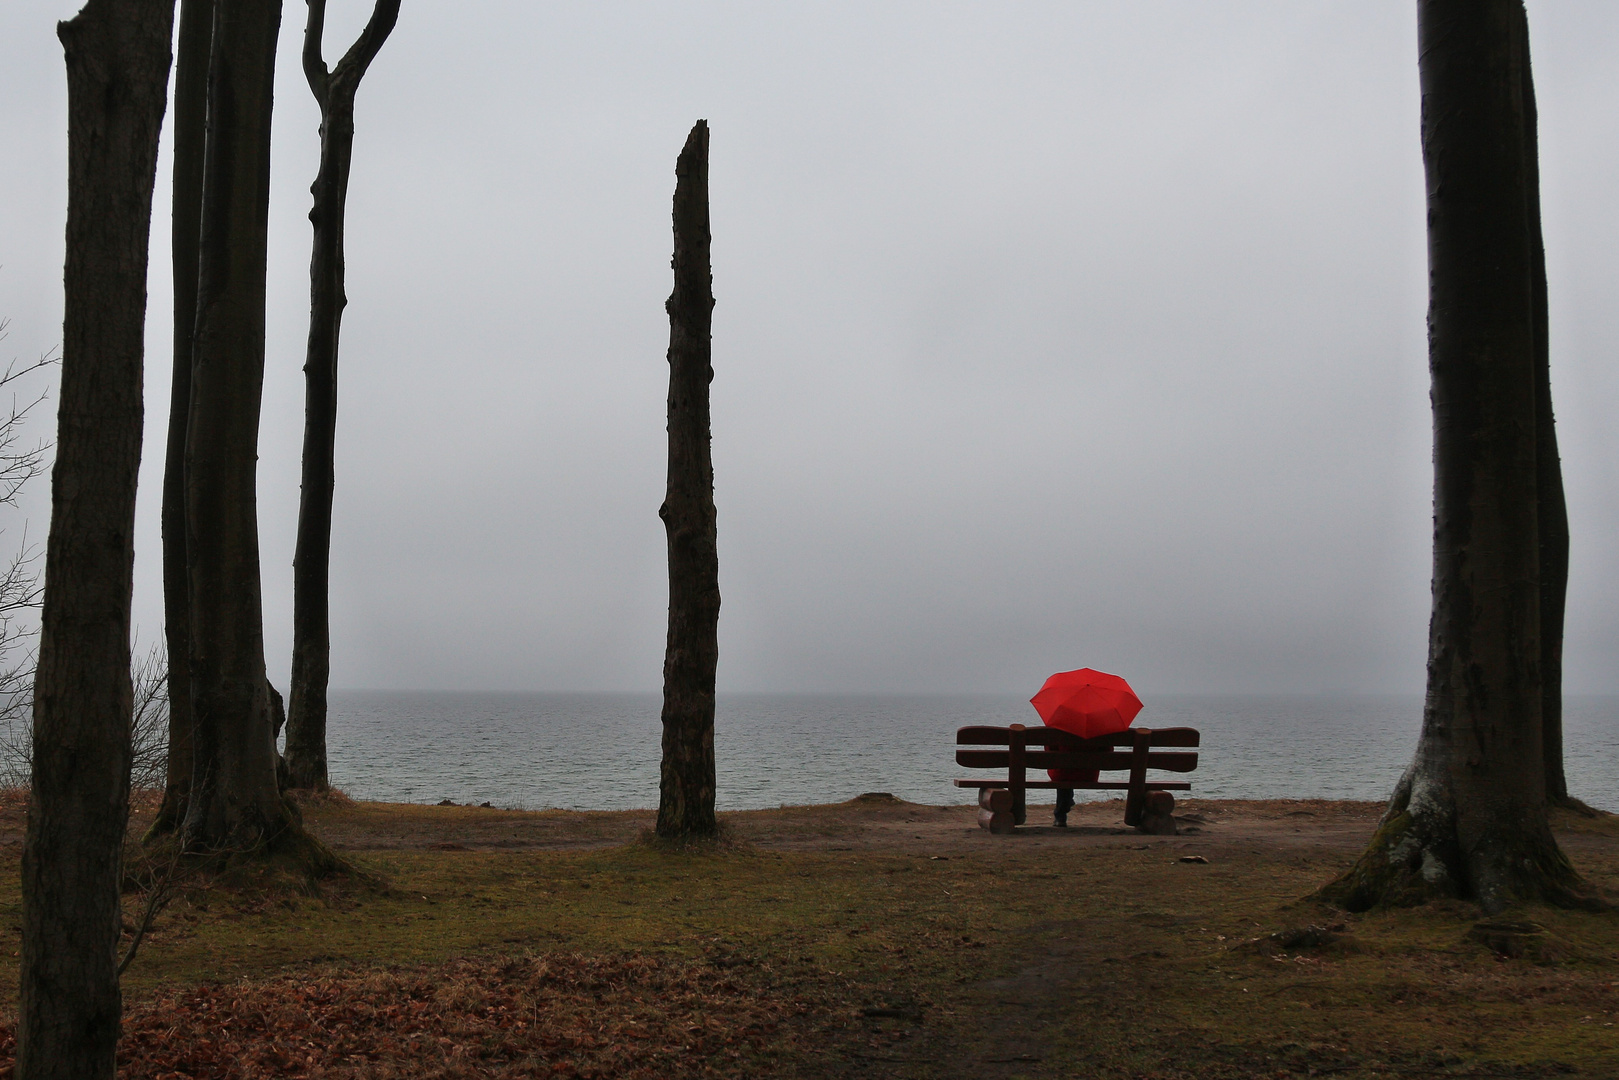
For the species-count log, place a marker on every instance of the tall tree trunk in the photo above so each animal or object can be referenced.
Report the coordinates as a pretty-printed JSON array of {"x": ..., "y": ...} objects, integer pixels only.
[
  {"x": 1552, "y": 515},
  {"x": 234, "y": 804},
  {"x": 311, "y": 627},
  {"x": 686, "y": 791},
  {"x": 190, "y": 136},
  {"x": 117, "y": 68},
  {"x": 1468, "y": 818}
]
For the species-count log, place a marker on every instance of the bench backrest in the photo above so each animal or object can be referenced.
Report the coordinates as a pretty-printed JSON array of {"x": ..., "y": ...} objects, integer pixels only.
[{"x": 1049, "y": 748}]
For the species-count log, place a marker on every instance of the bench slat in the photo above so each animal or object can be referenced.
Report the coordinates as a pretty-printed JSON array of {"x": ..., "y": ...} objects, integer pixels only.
[
  {"x": 1045, "y": 759},
  {"x": 1102, "y": 785},
  {"x": 979, "y": 735}
]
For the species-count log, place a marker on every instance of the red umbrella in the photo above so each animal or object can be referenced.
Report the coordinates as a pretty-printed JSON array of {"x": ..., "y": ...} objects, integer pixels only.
[{"x": 1086, "y": 703}]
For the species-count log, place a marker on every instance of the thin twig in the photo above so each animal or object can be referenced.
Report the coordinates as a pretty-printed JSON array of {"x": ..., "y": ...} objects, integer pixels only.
[{"x": 162, "y": 892}]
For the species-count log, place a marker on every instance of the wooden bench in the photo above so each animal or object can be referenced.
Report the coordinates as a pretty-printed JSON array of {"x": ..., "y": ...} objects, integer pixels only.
[{"x": 1017, "y": 749}]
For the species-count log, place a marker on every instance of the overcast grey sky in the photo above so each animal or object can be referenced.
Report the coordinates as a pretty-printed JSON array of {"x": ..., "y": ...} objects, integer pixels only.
[{"x": 1048, "y": 335}]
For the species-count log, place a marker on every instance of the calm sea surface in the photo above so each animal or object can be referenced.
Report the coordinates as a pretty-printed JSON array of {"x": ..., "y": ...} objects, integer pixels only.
[{"x": 600, "y": 751}]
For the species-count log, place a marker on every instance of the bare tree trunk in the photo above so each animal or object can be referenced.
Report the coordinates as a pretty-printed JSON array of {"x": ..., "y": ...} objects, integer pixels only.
[
  {"x": 1469, "y": 816},
  {"x": 234, "y": 804},
  {"x": 117, "y": 67},
  {"x": 311, "y": 627},
  {"x": 686, "y": 793},
  {"x": 190, "y": 136},
  {"x": 1552, "y": 517}
]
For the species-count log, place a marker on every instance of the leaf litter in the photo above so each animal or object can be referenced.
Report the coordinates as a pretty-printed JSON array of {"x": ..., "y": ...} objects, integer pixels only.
[{"x": 565, "y": 1015}]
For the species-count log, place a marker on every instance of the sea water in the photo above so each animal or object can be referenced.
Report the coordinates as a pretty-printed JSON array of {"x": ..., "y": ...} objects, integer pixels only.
[{"x": 601, "y": 751}]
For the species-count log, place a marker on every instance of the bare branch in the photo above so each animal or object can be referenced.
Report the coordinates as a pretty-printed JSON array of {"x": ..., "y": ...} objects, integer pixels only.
[
  {"x": 369, "y": 43},
  {"x": 314, "y": 66},
  {"x": 20, "y": 586},
  {"x": 160, "y": 891},
  {"x": 17, "y": 467},
  {"x": 352, "y": 67},
  {"x": 149, "y": 720},
  {"x": 14, "y": 372}
]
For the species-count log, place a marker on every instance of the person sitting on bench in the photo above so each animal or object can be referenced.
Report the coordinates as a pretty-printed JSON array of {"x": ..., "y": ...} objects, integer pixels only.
[{"x": 1065, "y": 795}]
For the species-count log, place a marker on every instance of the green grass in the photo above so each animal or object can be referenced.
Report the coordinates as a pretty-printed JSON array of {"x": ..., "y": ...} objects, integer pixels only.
[{"x": 1108, "y": 961}]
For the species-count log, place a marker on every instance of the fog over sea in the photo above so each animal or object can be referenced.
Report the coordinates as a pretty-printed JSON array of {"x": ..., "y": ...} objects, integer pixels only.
[{"x": 600, "y": 751}]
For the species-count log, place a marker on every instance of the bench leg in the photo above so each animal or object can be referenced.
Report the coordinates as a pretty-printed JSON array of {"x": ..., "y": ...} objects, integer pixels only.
[
  {"x": 1134, "y": 804},
  {"x": 1157, "y": 814},
  {"x": 995, "y": 810}
]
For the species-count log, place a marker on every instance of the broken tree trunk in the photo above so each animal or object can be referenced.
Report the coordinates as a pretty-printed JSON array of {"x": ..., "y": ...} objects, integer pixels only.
[
  {"x": 117, "y": 55},
  {"x": 686, "y": 790},
  {"x": 311, "y": 623}
]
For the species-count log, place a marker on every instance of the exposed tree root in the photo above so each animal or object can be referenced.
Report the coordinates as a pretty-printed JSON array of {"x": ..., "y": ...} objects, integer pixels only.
[
  {"x": 1537, "y": 874},
  {"x": 723, "y": 841},
  {"x": 279, "y": 849},
  {"x": 1417, "y": 857},
  {"x": 1403, "y": 866},
  {"x": 1577, "y": 806},
  {"x": 331, "y": 797},
  {"x": 294, "y": 856},
  {"x": 294, "y": 863},
  {"x": 170, "y": 816}
]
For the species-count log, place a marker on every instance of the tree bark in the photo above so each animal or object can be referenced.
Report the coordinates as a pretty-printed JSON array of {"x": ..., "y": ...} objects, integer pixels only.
[
  {"x": 190, "y": 136},
  {"x": 234, "y": 805},
  {"x": 117, "y": 66},
  {"x": 1552, "y": 509},
  {"x": 311, "y": 625},
  {"x": 1469, "y": 817},
  {"x": 686, "y": 791}
]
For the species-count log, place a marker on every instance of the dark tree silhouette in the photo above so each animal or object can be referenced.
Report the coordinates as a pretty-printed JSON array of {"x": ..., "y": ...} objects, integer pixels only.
[
  {"x": 311, "y": 629},
  {"x": 117, "y": 69},
  {"x": 686, "y": 791},
  {"x": 190, "y": 133},
  {"x": 1469, "y": 816},
  {"x": 234, "y": 803}
]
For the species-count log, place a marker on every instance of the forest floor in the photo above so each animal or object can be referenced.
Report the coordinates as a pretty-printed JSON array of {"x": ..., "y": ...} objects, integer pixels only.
[{"x": 873, "y": 938}]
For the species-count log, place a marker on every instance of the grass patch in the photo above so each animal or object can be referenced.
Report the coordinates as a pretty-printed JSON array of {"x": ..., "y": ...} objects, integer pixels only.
[{"x": 932, "y": 952}]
